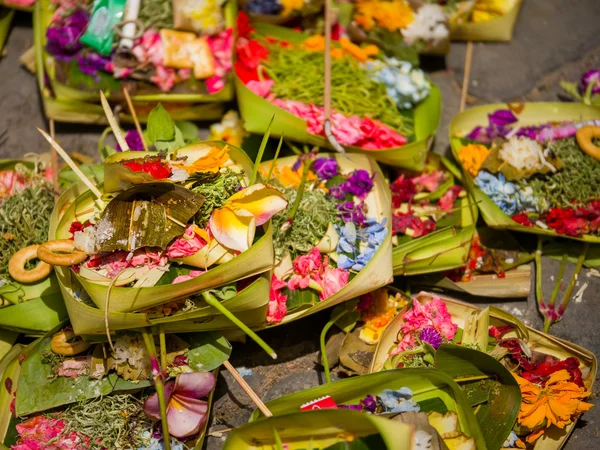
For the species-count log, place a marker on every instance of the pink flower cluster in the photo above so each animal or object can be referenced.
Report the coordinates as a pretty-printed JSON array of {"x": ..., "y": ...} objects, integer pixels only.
[
  {"x": 189, "y": 244},
  {"x": 310, "y": 271},
  {"x": 44, "y": 433},
  {"x": 117, "y": 261},
  {"x": 149, "y": 49},
  {"x": 277, "y": 301},
  {"x": 221, "y": 46},
  {"x": 365, "y": 133},
  {"x": 433, "y": 314}
]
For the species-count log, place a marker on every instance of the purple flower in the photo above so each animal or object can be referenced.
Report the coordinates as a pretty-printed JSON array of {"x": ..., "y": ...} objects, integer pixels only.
[
  {"x": 297, "y": 164},
  {"x": 351, "y": 407},
  {"x": 359, "y": 184},
  {"x": 498, "y": 122},
  {"x": 369, "y": 403},
  {"x": 590, "y": 77},
  {"x": 63, "y": 38},
  {"x": 352, "y": 212},
  {"x": 325, "y": 168},
  {"x": 432, "y": 337},
  {"x": 134, "y": 140},
  {"x": 91, "y": 63}
]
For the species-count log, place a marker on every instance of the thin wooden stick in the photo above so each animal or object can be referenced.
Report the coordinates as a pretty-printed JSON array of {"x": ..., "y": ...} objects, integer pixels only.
[
  {"x": 246, "y": 387},
  {"x": 113, "y": 123},
  {"x": 466, "y": 75},
  {"x": 54, "y": 163},
  {"x": 135, "y": 118},
  {"x": 327, "y": 80},
  {"x": 72, "y": 165}
]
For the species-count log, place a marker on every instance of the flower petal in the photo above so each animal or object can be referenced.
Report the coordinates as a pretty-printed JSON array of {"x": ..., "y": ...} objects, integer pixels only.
[
  {"x": 233, "y": 228},
  {"x": 194, "y": 384},
  {"x": 151, "y": 406},
  {"x": 262, "y": 200},
  {"x": 186, "y": 416}
]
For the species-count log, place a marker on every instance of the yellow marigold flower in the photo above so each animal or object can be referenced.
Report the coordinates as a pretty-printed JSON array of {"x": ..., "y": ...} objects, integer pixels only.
[
  {"x": 291, "y": 178},
  {"x": 392, "y": 15},
  {"x": 472, "y": 157},
  {"x": 558, "y": 403},
  {"x": 289, "y": 6},
  {"x": 358, "y": 53},
  {"x": 314, "y": 43}
]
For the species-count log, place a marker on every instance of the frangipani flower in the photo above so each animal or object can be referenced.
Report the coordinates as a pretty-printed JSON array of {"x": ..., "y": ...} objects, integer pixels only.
[
  {"x": 211, "y": 162},
  {"x": 186, "y": 412},
  {"x": 234, "y": 224},
  {"x": 558, "y": 403}
]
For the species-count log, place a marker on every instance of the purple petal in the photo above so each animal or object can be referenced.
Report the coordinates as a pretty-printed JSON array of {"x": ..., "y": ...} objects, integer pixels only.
[
  {"x": 194, "y": 384},
  {"x": 478, "y": 134},
  {"x": 151, "y": 406},
  {"x": 185, "y": 415},
  {"x": 591, "y": 76},
  {"x": 502, "y": 117}
]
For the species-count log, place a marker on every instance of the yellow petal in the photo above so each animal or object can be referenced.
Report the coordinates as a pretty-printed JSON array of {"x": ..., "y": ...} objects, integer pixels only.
[
  {"x": 261, "y": 200},
  {"x": 233, "y": 227},
  {"x": 211, "y": 162}
]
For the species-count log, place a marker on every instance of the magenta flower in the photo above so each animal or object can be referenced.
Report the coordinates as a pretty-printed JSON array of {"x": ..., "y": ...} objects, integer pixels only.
[
  {"x": 134, "y": 141},
  {"x": 63, "y": 38},
  {"x": 325, "y": 168},
  {"x": 432, "y": 337},
  {"x": 91, "y": 63},
  {"x": 591, "y": 77},
  {"x": 186, "y": 412},
  {"x": 359, "y": 184}
]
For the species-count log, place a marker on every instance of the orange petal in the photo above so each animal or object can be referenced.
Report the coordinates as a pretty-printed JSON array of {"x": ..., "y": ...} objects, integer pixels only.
[
  {"x": 534, "y": 436},
  {"x": 211, "y": 162},
  {"x": 233, "y": 228},
  {"x": 261, "y": 200}
]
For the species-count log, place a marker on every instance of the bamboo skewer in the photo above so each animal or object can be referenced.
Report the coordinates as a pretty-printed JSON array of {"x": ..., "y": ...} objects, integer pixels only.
[
  {"x": 327, "y": 81},
  {"x": 54, "y": 163},
  {"x": 112, "y": 121},
  {"x": 466, "y": 76},
  {"x": 246, "y": 387},
  {"x": 135, "y": 118},
  {"x": 72, "y": 165}
]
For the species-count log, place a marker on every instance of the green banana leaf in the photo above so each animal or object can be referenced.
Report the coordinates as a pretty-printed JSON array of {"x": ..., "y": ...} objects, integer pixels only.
[
  {"x": 532, "y": 113},
  {"x": 446, "y": 248},
  {"x": 257, "y": 112},
  {"x": 9, "y": 374},
  {"x": 6, "y": 18},
  {"x": 537, "y": 341},
  {"x": 38, "y": 391},
  {"x": 321, "y": 429},
  {"x": 557, "y": 248},
  {"x": 258, "y": 259},
  {"x": 498, "y": 415},
  {"x": 426, "y": 384},
  {"x": 68, "y": 104},
  {"x": 7, "y": 340},
  {"x": 378, "y": 272},
  {"x": 499, "y": 29},
  {"x": 37, "y": 307}
]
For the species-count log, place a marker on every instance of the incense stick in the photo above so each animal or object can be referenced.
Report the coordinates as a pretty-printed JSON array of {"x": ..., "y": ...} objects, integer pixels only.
[
  {"x": 112, "y": 121},
  {"x": 135, "y": 118},
  {"x": 54, "y": 163},
  {"x": 72, "y": 165},
  {"x": 246, "y": 387},
  {"x": 466, "y": 75}
]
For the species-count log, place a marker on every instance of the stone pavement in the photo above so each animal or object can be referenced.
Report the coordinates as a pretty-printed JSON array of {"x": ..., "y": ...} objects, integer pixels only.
[{"x": 554, "y": 40}]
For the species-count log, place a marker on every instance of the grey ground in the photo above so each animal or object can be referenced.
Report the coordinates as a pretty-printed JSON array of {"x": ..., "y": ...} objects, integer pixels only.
[{"x": 554, "y": 40}]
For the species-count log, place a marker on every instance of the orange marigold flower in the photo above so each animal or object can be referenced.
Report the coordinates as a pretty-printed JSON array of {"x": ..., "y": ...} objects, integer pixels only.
[
  {"x": 314, "y": 43},
  {"x": 472, "y": 157},
  {"x": 392, "y": 15},
  {"x": 558, "y": 403},
  {"x": 358, "y": 53}
]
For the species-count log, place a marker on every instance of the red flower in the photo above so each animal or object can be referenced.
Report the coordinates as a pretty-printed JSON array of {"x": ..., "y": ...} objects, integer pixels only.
[
  {"x": 75, "y": 227},
  {"x": 403, "y": 191},
  {"x": 250, "y": 53},
  {"x": 244, "y": 28},
  {"x": 566, "y": 221},
  {"x": 550, "y": 365},
  {"x": 498, "y": 332},
  {"x": 402, "y": 222},
  {"x": 522, "y": 219},
  {"x": 156, "y": 169},
  {"x": 449, "y": 197}
]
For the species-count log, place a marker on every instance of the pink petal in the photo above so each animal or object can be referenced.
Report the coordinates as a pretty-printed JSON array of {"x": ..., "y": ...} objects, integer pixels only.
[
  {"x": 185, "y": 415},
  {"x": 151, "y": 407},
  {"x": 194, "y": 384}
]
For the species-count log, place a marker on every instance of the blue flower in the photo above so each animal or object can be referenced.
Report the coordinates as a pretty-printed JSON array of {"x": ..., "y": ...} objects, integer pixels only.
[
  {"x": 349, "y": 251},
  {"x": 399, "y": 401},
  {"x": 511, "y": 440},
  {"x": 405, "y": 84},
  {"x": 509, "y": 197}
]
